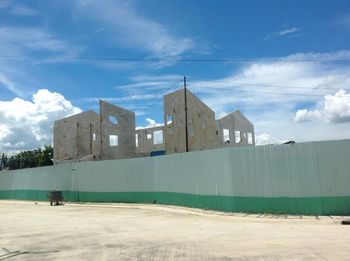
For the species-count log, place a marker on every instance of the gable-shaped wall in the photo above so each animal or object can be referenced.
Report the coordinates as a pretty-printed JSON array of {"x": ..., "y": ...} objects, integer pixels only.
[
  {"x": 239, "y": 130},
  {"x": 200, "y": 123},
  {"x": 123, "y": 130},
  {"x": 149, "y": 139},
  {"x": 77, "y": 137}
]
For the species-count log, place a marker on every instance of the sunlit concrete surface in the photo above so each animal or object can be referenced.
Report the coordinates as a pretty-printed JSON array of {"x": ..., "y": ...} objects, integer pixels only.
[{"x": 38, "y": 231}]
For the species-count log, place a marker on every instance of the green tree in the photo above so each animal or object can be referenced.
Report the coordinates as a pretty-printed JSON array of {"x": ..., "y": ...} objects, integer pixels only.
[
  {"x": 3, "y": 161},
  {"x": 28, "y": 159},
  {"x": 46, "y": 156}
]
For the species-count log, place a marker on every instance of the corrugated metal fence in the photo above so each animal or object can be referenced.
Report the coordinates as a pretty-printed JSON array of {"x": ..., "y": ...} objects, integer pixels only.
[{"x": 304, "y": 178}]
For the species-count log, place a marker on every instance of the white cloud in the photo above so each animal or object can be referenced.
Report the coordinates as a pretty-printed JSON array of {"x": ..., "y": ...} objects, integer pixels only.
[
  {"x": 8, "y": 84},
  {"x": 162, "y": 78},
  {"x": 135, "y": 97},
  {"x": 150, "y": 124},
  {"x": 344, "y": 21},
  {"x": 4, "y": 4},
  {"x": 137, "y": 85},
  {"x": 4, "y": 131},
  {"x": 132, "y": 30},
  {"x": 149, "y": 83},
  {"x": 339, "y": 55},
  {"x": 288, "y": 31},
  {"x": 30, "y": 47},
  {"x": 269, "y": 93},
  {"x": 21, "y": 41},
  {"x": 264, "y": 139},
  {"x": 157, "y": 135},
  {"x": 22, "y": 10},
  {"x": 281, "y": 84},
  {"x": 336, "y": 109},
  {"x": 28, "y": 124},
  {"x": 146, "y": 90}
]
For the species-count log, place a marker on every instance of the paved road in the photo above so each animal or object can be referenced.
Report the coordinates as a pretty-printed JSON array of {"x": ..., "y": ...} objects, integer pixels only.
[{"x": 30, "y": 231}]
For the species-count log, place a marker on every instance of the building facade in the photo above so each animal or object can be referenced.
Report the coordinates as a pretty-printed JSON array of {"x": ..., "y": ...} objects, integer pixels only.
[{"x": 189, "y": 125}]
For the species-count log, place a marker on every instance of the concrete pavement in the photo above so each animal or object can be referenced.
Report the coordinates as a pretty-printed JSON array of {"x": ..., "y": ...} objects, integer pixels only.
[{"x": 37, "y": 231}]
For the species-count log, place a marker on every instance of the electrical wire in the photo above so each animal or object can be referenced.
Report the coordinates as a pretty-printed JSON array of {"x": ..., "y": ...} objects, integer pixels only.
[
  {"x": 168, "y": 90},
  {"x": 121, "y": 59},
  {"x": 272, "y": 93},
  {"x": 267, "y": 85}
]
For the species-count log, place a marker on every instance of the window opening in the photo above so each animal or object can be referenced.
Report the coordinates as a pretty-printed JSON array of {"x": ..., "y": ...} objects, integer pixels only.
[
  {"x": 226, "y": 135},
  {"x": 113, "y": 140},
  {"x": 237, "y": 136},
  {"x": 250, "y": 138},
  {"x": 169, "y": 119},
  {"x": 137, "y": 139},
  {"x": 113, "y": 119},
  {"x": 158, "y": 137}
]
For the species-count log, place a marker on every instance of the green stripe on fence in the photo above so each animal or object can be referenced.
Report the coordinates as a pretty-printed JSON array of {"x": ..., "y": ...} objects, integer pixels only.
[{"x": 279, "y": 205}]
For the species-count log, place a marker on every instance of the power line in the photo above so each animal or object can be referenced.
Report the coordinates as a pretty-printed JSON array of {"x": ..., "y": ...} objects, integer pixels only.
[
  {"x": 121, "y": 59},
  {"x": 272, "y": 93},
  {"x": 174, "y": 83},
  {"x": 269, "y": 85},
  {"x": 169, "y": 89},
  {"x": 229, "y": 90}
]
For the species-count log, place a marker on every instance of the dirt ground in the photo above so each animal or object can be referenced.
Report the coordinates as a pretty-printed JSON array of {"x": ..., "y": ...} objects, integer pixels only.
[{"x": 37, "y": 231}]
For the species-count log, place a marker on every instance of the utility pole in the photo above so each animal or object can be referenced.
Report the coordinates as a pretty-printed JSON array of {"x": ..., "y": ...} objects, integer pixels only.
[{"x": 186, "y": 128}]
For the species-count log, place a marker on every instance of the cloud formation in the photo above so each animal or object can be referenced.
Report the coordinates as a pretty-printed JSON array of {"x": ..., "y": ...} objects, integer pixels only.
[
  {"x": 265, "y": 139},
  {"x": 28, "y": 124},
  {"x": 28, "y": 47},
  {"x": 336, "y": 109},
  {"x": 157, "y": 135},
  {"x": 150, "y": 124},
  {"x": 132, "y": 30},
  {"x": 344, "y": 21},
  {"x": 270, "y": 93},
  {"x": 280, "y": 84},
  {"x": 22, "y": 41},
  {"x": 287, "y": 32},
  {"x": 22, "y": 10}
]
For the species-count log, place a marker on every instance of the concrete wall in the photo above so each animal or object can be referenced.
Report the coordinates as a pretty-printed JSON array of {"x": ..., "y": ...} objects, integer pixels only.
[
  {"x": 111, "y": 135},
  {"x": 232, "y": 123},
  {"x": 123, "y": 129},
  {"x": 77, "y": 137},
  {"x": 148, "y": 137},
  {"x": 303, "y": 178},
  {"x": 200, "y": 123}
]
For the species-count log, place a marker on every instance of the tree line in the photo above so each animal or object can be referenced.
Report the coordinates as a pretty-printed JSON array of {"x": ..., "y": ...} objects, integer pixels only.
[{"x": 27, "y": 159}]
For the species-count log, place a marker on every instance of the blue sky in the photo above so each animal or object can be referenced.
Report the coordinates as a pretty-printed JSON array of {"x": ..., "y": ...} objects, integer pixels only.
[{"x": 56, "y": 59}]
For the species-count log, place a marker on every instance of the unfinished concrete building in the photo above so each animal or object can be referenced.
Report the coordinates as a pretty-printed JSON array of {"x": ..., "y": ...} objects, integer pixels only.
[
  {"x": 149, "y": 139},
  {"x": 117, "y": 132},
  {"x": 203, "y": 131},
  {"x": 235, "y": 130},
  {"x": 190, "y": 125},
  {"x": 77, "y": 136},
  {"x": 92, "y": 136},
  {"x": 179, "y": 107}
]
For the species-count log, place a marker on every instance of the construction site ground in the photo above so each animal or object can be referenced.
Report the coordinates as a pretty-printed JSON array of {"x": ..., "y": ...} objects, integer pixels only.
[{"x": 37, "y": 231}]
